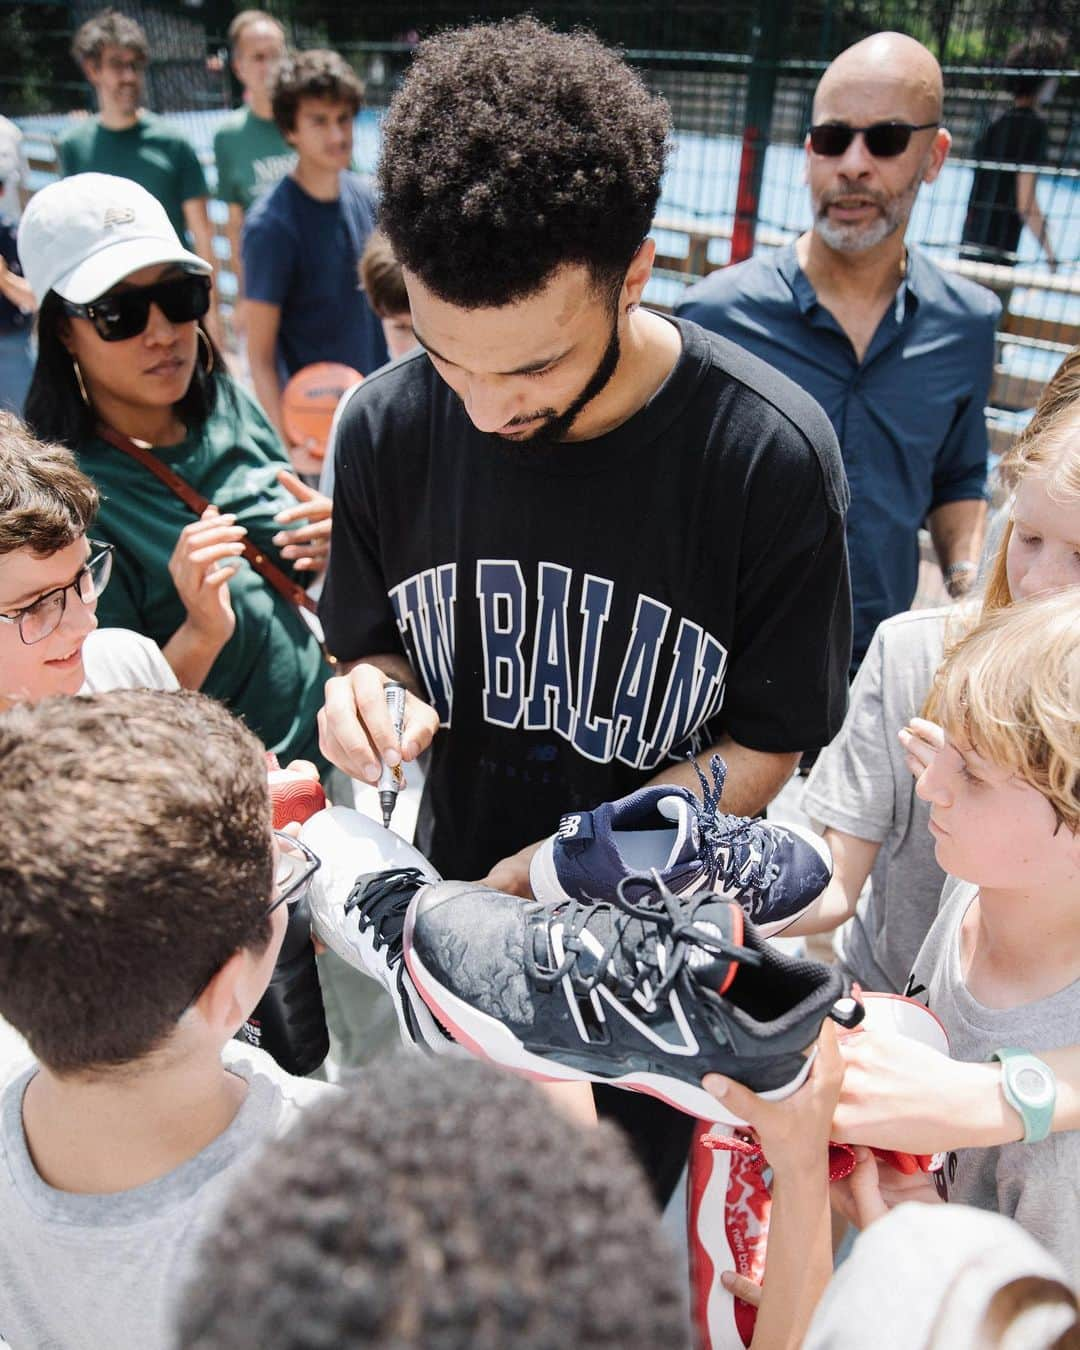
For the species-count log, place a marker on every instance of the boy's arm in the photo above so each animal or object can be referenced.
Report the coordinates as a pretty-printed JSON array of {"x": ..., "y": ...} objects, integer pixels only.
[
  {"x": 198, "y": 224},
  {"x": 233, "y": 227},
  {"x": 263, "y": 322},
  {"x": 853, "y": 861},
  {"x": 794, "y": 1136},
  {"x": 901, "y": 1095}
]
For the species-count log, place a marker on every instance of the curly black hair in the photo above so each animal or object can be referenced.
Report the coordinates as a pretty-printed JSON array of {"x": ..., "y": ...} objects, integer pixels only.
[
  {"x": 510, "y": 150},
  {"x": 317, "y": 73},
  {"x": 441, "y": 1205}
]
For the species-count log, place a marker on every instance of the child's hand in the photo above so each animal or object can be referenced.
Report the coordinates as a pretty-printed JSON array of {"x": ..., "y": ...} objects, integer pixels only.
[
  {"x": 898, "y": 1093},
  {"x": 793, "y": 1133},
  {"x": 921, "y": 740},
  {"x": 874, "y": 1187}
]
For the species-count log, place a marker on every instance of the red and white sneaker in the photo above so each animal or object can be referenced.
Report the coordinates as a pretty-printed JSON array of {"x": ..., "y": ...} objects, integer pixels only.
[{"x": 728, "y": 1206}]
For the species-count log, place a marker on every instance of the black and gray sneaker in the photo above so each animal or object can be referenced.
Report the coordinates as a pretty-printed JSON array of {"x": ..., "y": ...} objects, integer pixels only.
[
  {"x": 367, "y": 878},
  {"x": 649, "y": 993}
]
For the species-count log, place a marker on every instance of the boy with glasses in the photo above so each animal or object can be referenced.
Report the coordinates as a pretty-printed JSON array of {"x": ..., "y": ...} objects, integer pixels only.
[
  {"x": 898, "y": 353},
  {"x": 141, "y": 912},
  {"x": 51, "y": 575}
]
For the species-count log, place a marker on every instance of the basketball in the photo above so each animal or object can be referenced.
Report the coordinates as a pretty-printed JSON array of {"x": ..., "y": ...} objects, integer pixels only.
[{"x": 308, "y": 402}]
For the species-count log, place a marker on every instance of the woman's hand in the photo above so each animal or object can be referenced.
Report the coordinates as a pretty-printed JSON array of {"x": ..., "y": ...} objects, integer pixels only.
[
  {"x": 200, "y": 573},
  {"x": 308, "y": 547}
]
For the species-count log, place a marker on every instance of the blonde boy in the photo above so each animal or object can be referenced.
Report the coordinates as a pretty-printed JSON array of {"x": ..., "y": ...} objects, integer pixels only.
[{"x": 1001, "y": 965}]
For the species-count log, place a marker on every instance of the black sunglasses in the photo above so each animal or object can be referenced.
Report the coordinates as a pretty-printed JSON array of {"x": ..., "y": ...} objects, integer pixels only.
[
  {"x": 125, "y": 314},
  {"x": 884, "y": 140}
]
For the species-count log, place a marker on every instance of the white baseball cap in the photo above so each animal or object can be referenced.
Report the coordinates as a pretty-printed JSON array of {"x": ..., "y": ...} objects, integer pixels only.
[{"x": 81, "y": 235}]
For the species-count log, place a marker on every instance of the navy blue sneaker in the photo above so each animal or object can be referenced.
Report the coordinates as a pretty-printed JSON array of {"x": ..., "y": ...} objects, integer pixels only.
[
  {"x": 773, "y": 871},
  {"x": 648, "y": 993}
]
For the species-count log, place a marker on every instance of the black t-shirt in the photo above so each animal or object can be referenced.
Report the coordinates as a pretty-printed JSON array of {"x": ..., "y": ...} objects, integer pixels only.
[
  {"x": 993, "y": 224},
  {"x": 580, "y": 614}
]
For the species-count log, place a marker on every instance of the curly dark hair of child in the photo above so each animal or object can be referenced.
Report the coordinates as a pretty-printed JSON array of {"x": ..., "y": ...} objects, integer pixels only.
[
  {"x": 438, "y": 1205},
  {"x": 511, "y": 150}
]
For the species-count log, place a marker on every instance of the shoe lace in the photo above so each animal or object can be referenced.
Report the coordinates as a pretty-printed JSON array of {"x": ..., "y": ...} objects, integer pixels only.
[
  {"x": 738, "y": 850},
  {"x": 382, "y": 901},
  {"x": 630, "y": 960}
]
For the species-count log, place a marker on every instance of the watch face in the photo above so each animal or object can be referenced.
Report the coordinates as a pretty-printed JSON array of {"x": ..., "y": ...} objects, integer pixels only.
[{"x": 1033, "y": 1086}]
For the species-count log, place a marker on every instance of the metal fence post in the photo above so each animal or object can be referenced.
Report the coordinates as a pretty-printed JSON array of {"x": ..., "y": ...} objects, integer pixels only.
[{"x": 760, "y": 92}]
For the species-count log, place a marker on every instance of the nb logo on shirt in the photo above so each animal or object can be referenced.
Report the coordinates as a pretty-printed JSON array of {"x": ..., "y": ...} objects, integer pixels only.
[{"x": 119, "y": 215}]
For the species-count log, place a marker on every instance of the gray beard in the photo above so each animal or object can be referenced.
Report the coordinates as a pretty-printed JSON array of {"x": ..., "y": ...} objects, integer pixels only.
[{"x": 856, "y": 238}]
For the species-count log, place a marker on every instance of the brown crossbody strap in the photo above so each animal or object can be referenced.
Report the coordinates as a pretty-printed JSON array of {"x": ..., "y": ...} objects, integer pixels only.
[{"x": 195, "y": 501}]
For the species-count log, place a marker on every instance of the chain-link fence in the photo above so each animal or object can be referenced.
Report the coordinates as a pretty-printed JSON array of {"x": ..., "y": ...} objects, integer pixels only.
[{"x": 739, "y": 79}]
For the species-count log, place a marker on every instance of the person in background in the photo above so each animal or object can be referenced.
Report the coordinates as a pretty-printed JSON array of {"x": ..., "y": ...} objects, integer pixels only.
[
  {"x": 16, "y": 298},
  {"x": 124, "y": 139},
  {"x": 1003, "y": 200},
  {"x": 303, "y": 239},
  {"x": 897, "y": 352},
  {"x": 384, "y": 286},
  {"x": 249, "y": 150}
]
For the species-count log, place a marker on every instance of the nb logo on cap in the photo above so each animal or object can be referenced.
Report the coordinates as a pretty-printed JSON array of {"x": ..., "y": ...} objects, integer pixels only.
[{"x": 119, "y": 215}]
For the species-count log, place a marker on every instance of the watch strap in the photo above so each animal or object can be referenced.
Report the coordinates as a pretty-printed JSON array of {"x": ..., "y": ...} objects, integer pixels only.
[{"x": 1029, "y": 1086}]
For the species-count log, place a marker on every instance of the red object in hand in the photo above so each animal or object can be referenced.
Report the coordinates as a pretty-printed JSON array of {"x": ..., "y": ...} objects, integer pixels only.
[{"x": 293, "y": 796}]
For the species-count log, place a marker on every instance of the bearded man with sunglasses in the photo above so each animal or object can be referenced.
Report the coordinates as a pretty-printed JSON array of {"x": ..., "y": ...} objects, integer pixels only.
[{"x": 897, "y": 352}]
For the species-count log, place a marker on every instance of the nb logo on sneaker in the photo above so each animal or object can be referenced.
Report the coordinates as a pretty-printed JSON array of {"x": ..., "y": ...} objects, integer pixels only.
[{"x": 569, "y": 827}]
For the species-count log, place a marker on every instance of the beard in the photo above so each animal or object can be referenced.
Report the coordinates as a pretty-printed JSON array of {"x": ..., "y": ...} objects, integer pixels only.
[
  {"x": 894, "y": 210},
  {"x": 556, "y": 425}
]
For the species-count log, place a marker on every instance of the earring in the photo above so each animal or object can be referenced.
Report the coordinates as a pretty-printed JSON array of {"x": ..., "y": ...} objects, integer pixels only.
[
  {"x": 81, "y": 384},
  {"x": 209, "y": 349}
]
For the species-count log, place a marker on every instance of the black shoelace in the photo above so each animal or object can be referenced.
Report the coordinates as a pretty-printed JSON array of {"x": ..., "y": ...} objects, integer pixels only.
[
  {"x": 383, "y": 901},
  {"x": 629, "y": 962}
]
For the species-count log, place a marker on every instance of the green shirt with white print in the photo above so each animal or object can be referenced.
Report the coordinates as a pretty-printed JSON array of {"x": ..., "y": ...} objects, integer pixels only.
[{"x": 271, "y": 671}]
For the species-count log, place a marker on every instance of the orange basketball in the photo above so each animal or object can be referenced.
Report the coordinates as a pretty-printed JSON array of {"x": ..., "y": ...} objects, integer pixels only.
[{"x": 308, "y": 402}]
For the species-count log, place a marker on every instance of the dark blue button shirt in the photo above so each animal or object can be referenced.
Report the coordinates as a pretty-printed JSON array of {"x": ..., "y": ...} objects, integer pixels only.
[
  {"x": 302, "y": 254},
  {"x": 910, "y": 417}
]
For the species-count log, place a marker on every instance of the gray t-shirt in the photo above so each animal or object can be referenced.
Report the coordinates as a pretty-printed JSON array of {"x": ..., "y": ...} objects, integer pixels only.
[
  {"x": 116, "y": 658},
  {"x": 862, "y": 786},
  {"x": 81, "y": 1272},
  {"x": 1038, "y": 1185}
]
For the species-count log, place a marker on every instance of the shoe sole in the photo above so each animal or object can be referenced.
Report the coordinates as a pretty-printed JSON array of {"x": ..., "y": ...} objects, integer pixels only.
[
  {"x": 489, "y": 1039},
  {"x": 546, "y": 886}
]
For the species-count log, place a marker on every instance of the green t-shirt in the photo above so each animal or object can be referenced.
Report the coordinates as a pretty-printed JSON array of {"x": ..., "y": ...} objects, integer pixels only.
[
  {"x": 251, "y": 155},
  {"x": 152, "y": 153},
  {"x": 271, "y": 671}
]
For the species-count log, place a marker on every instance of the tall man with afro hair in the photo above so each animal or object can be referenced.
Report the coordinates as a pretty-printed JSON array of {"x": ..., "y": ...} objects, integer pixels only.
[{"x": 591, "y": 540}]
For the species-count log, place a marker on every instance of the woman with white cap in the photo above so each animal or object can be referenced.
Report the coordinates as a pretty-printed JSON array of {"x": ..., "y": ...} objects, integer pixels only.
[{"x": 197, "y": 496}]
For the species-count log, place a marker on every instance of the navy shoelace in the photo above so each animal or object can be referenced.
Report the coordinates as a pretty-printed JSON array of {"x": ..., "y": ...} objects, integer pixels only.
[{"x": 738, "y": 850}]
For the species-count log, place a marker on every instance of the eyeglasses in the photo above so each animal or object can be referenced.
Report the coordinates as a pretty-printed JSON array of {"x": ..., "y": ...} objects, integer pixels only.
[
  {"x": 43, "y": 617},
  {"x": 125, "y": 314},
  {"x": 884, "y": 140},
  {"x": 294, "y": 867}
]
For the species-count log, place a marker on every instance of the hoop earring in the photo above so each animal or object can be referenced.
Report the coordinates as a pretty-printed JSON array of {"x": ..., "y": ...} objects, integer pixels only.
[
  {"x": 209, "y": 349},
  {"x": 81, "y": 384}
]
